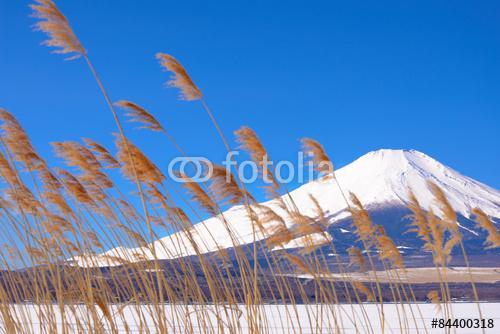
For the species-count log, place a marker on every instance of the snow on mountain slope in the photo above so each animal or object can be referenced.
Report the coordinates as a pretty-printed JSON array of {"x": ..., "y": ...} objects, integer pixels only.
[
  {"x": 379, "y": 178},
  {"x": 384, "y": 176}
]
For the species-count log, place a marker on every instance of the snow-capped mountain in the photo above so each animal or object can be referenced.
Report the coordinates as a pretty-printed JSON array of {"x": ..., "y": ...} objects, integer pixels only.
[{"x": 380, "y": 179}]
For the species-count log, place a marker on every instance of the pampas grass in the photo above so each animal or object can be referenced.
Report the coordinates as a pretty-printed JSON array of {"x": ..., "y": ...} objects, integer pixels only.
[
  {"x": 138, "y": 114},
  {"x": 482, "y": 219},
  {"x": 56, "y": 26},
  {"x": 433, "y": 295},
  {"x": 320, "y": 159},
  {"x": 180, "y": 78}
]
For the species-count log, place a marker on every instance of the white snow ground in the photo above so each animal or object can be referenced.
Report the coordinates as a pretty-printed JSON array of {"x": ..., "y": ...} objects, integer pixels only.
[
  {"x": 378, "y": 178},
  {"x": 280, "y": 318},
  {"x": 420, "y": 275}
]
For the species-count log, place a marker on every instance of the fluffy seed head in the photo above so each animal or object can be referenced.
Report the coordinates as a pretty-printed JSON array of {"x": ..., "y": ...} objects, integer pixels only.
[
  {"x": 320, "y": 159},
  {"x": 224, "y": 186},
  {"x": 132, "y": 158},
  {"x": 140, "y": 115},
  {"x": 102, "y": 154},
  {"x": 361, "y": 220},
  {"x": 180, "y": 78},
  {"x": 419, "y": 222},
  {"x": 18, "y": 142},
  {"x": 364, "y": 290},
  {"x": 56, "y": 26},
  {"x": 389, "y": 251},
  {"x": 356, "y": 258},
  {"x": 449, "y": 214},
  {"x": 248, "y": 140},
  {"x": 482, "y": 219},
  {"x": 75, "y": 188},
  {"x": 433, "y": 296},
  {"x": 199, "y": 195},
  {"x": 298, "y": 262}
]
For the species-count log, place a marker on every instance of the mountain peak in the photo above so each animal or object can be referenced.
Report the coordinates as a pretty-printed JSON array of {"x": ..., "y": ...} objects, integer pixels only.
[
  {"x": 391, "y": 163},
  {"x": 391, "y": 151},
  {"x": 397, "y": 156},
  {"x": 386, "y": 176}
]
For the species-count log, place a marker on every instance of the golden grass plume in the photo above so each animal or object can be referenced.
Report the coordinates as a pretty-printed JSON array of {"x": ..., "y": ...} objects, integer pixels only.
[
  {"x": 53, "y": 22},
  {"x": 364, "y": 290},
  {"x": 224, "y": 186},
  {"x": 320, "y": 159},
  {"x": 138, "y": 114},
  {"x": 361, "y": 220},
  {"x": 356, "y": 258},
  {"x": 482, "y": 219},
  {"x": 145, "y": 170},
  {"x": 433, "y": 296},
  {"x": 198, "y": 194},
  {"x": 102, "y": 154},
  {"x": 180, "y": 78}
]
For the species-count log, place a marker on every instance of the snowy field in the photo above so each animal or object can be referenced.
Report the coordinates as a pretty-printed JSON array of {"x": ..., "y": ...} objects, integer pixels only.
[
  {"x": 421, "y": 275},
  {"x": 274, "y": 318}
]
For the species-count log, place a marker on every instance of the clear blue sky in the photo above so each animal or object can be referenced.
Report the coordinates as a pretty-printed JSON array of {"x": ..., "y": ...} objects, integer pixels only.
[{"x": 356, "y": 75}]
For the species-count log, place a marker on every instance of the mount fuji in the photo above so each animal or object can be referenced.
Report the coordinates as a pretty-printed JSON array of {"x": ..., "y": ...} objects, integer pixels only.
[{"x": 380, "y": 179}]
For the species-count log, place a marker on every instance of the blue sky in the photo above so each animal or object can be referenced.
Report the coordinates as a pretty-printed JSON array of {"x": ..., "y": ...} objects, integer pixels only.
[{"x": 357, "y": 76}]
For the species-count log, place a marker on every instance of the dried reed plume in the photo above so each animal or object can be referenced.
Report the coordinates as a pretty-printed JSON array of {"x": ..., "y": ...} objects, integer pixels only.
[
  {"x": 49, "y": 180},
  {"x": 359, "y": 286},
  {"x": 482, "y": 219},
  {"x": 307, "y": 228},
  {"x": 180, "y": 78},
  {"x": 56, "y": 199},
  {"x": 102, "y": 154},
  {"x": 24, "y": 199},
  {"x": 224, "y": 186},
  {"x": 279, "y": 236},
  {"x": 320, "y": 159},
  {"x": 7, "y": 172},
  {"x": 248, "y": 140},
  {"x": 356, "y": 258},
  {"x": 79, "y": 156},
  {"x": 320, "y": 223},
  {"x": 419, "y": 222},
  {"x": 271, "y": 225},
  {"x": 361, "y": 220},
  {"x": 433, "y": 296},
  {"x": 269, "y": 216},
  {"x": 133, "y": 235},
  {"x": 92, "y": 236},
  {"x": 320, "y": 213},
  {"x": 18, "y": 142},
  {"x": 138, "y": 114},
  {"x": 56, "y": 225},
  {"x": 449, "y": 215},
  {"x": 441, "y": 255},
  {"x": 136, "y": 164},
  {"x": 199, "y": 195},
  {"x": 56, "y": 26},
  {"x": 451, "y": 224},
  {"x": 75, "y": 188},
  {"x": 178, "y": 216},
  {"x": 298, "y": 262},
  {"x": 389, "y": 251}
]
